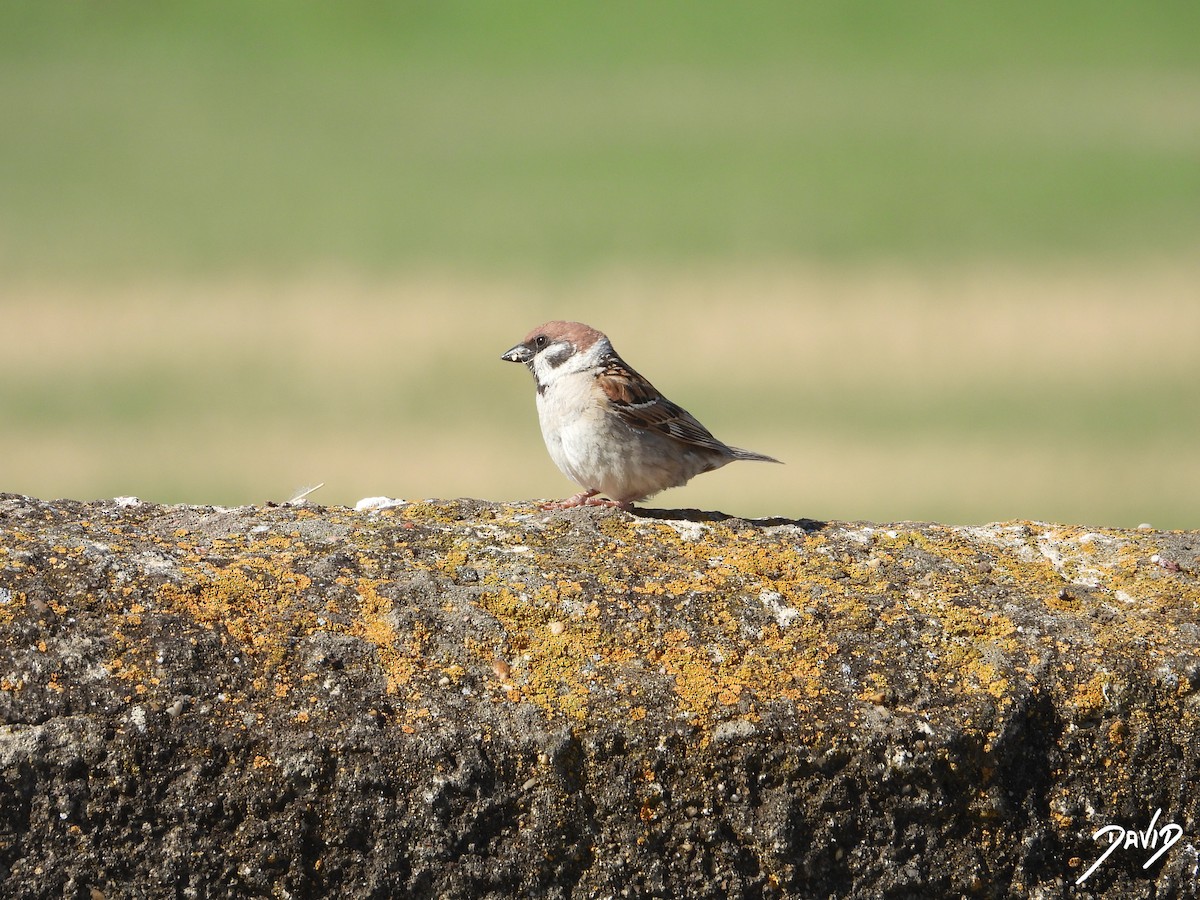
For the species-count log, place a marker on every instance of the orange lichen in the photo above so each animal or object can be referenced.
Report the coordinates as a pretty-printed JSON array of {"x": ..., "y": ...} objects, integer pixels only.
[
  {"x": 251, "y": 599},
  {"x": 629, "y": 619},
  {"x": 399, "y": 658}
]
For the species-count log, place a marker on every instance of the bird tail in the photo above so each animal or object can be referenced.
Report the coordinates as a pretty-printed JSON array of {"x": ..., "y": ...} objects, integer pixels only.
[{"x": 739, "y": 453}]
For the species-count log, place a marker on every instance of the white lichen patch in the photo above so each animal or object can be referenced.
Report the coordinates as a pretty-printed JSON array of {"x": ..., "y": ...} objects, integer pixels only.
[
  {"x": 154, "y": 562},
  {"x": 864, "y": 535},
  {"x": 690, "y": 531},
  {"x": 783, "y": 613},
  {"x": 1011, "y": 537},
  {"x": 1086, "y": 560}
]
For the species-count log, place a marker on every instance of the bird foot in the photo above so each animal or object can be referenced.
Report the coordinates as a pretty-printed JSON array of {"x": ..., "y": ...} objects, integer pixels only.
[{"x": 587, "y": 498}]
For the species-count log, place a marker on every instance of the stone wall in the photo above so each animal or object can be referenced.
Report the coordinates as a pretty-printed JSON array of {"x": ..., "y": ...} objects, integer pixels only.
[{"x": 464, "y": 699}]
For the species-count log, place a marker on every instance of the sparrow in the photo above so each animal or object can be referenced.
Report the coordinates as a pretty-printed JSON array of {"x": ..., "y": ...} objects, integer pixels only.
[{"x": 607, "y": 428}]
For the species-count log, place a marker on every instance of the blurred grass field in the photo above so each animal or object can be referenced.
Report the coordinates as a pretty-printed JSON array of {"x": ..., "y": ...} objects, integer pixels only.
[{"x": 941, "y": 259}]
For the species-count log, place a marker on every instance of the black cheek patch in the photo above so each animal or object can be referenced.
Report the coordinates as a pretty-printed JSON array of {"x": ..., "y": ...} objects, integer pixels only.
[{"x": 558, "y": 354}]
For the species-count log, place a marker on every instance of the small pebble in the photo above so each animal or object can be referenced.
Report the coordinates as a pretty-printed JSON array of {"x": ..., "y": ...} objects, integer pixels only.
[{"x": 502, "y": 669}]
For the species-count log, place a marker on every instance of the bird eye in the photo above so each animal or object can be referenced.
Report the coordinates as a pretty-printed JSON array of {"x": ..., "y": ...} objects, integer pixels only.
[{"x": 540, "y": 341}]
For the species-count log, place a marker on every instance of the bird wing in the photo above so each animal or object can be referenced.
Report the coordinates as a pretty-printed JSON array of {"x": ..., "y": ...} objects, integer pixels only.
[{"x": 641, "y": 405}]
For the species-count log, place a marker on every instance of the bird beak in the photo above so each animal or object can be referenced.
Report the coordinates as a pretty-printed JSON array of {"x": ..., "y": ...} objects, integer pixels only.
[{"x": 519, "y": 353}]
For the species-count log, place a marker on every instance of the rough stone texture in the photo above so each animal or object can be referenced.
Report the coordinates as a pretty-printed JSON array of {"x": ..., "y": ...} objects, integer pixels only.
[{"x": 463, "y": 699}]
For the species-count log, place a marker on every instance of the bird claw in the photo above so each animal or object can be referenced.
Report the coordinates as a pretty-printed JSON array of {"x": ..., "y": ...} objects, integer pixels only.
[{"x": 587, "y": 498}]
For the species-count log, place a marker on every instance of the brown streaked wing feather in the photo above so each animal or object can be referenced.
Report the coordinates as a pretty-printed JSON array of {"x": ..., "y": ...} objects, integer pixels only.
[{"x": 636, "y": 401}]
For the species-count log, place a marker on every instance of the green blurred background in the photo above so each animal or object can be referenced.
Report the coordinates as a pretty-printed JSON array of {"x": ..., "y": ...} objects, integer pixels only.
[{"x": 942, "y": 258}]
